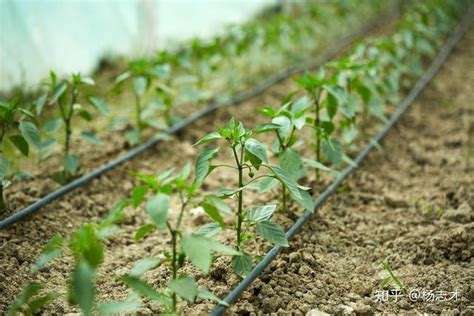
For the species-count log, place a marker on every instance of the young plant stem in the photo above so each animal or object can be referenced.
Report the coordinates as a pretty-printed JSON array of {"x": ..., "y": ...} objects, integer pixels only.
[
  {"x": 3, "y": 204},
  {"x": 138, "y": 112},
  {"x": 317, "y": 133},
  {"x": 240, "y": 196}
]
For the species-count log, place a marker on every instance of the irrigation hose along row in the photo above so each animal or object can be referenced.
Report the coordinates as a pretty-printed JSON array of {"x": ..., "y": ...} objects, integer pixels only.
[
  {"x": 420, "y": 85},
  {"x": 210, "y": 108}
]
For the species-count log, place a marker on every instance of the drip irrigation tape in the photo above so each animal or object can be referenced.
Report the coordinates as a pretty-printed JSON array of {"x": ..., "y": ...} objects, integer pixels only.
[
  {"x": 419, "y": 86},
  {"x": 210, "y": 108}
]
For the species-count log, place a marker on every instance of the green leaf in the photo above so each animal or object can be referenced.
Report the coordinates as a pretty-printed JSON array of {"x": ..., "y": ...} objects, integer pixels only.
[
  {"x": 306, "y": 200},
  {"x": 128, "y": 306},
  {"x": 100, "y": 104},
  {"x": 208, "y": 295},
  {"x": 40, "y": 102},
  {"x": 285, "y": 125},
  {"x": 316, "y": 165},
  {"x": 133, "y": 136},
  {"x": 208, "y": 138},
  {"x": 157, "y": 208},
  {"x": 85, "y": 244},
  {"x": 199, "y": 250},
  {"x": 139, "y": 85},
  {"x": 260, "y": 213},
  {"x": 264, "y": 185},
  {"x": 290, "y": 161},
  {"x": 219, "y": 204},
  {"x": 31, "y": 290},
  {"x": 91, "y": 137},
  {"x": 203, "y": 163},
  {"x": 50, "y": 251},
  {"x": 138, "y": 194},
  {"x": 122, "y": 77},
  {"x": 213, "y": 213},
  {"x": 71, "y": 163},
  {"x": 242, "y": 264},
  {"x": 209, "y": 230},
  {"x": 38, "y": 303},
  {"x": 185, "y": 287},
  {"x": 257, "y": 149},
  {"x": 333, "y": 151},
  {"x": 286, "y": 180},
  {"x": 143, "y": 288},
  {"x": 82, "y": 289},
  {"x": 88, "y": 81},
  {"x": 272, "y": 232},
  {"x": 58, "y": 92},
  {"x": 20, "y": 175},
  {"x": 144, "y": 265},
  {"x": 263, "y": 128},
  {"x": 143, "y": 231},
  {"x": 30, "y": 133},
  {"x": 52, "y": 125},
  {"x": 86, "y": 115},
  {"x": 4, "y": 168},
  {"x": 20, "y": 143}
]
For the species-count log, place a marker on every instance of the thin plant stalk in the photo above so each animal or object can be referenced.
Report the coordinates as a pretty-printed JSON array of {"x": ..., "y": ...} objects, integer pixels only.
[
  {"x": 138, "y": 111},
  {"x": 317, "y": 134},
  {"x": 3, "y": 203},
  {"x": 240, "y": 195}
]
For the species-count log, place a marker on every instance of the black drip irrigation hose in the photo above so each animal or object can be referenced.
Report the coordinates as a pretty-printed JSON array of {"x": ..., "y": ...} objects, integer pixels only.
[
  {"x": 420, "y": 85},
  {"x": 210, "y": 108}
]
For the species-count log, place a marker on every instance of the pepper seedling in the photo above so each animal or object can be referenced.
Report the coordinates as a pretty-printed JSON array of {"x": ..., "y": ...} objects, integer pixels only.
[
  {"x": 71, "y": 97},
  {"x": 290, "y": 118},
  {"x": 17, "y": 131},
  {"x": 197, "y": 249},
  {"x": 249, "y": 156}
]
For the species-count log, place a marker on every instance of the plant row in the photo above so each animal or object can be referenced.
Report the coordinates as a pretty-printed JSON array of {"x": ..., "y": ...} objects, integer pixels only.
[
  {"x": 155, "y": 86},
  {"x": 333, "y": 103}
]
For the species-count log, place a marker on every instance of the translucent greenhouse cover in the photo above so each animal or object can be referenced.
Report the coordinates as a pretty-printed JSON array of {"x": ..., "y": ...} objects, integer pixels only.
[{"x": 67, "y": 36}]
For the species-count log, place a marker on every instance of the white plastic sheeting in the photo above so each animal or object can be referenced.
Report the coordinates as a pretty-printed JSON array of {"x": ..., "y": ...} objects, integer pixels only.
[{"x": 67, "y": 36}]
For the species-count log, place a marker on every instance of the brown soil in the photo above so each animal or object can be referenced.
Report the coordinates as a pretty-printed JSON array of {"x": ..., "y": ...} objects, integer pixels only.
[{"x": 336, "y": 260}]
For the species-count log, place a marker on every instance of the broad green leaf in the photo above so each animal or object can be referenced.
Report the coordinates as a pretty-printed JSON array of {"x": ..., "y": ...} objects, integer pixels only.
[
  {"x": 71, "y": 163},
  {"x": 333, "y": 151},
  {"x": 290, "y": 161},
  {"x": 257, "y": 149},
  {"x": 208, "y": 295},
  {"x": 58, "y": 92},
  {"x": 263, "y": 128},
  {"x": 219, "y": 204},
  {"x": 213, "y": 213},
  {"x": 316, "y": 165},
  {"x": 100, "y": 104},
  {"x": 115, "y": 214},
  {"x": 272, "y": 232},
  {"x": 30, "y": 133},
  {"x": 50, "y": 251},
  {"x": 264, "y": 185},
  {"x": 140, "y": 85},
  {"x": 185, "y": 287},
  {"x": 82, "y": 289},
  {"x": 144, "y": 265},
  {"x": 260, "y": 213},
  {"x": 209, "y": 230},
  {"x": 128, "y": 306},
  {"x": 133, "y": 136},
  {"x": 285, "y": 125},
  {"x": 199, "y": 250},
  {"x": 143, "y": 231},
  {"x": 242, "y": 264},
  {"x": 91, "y": 137},
  {"x": 20, "y": 175},
  {"x": 20, "y": 143},
  {"x": 157, "y": 208},
  {"x": 306, "y": 200},
  {"x": 143, "y": 289},
  {"x": 138, "y": 194},
  {"x": 51, "y": 126},
  {"x": 86, "y": 115},
  {"x": 4, "y": 168},
  {"x": 203, "y": 163},
  {"x": 85, "y": 244},
  {"x": 208, "y": 138},
  {"x": 88, "y": 81},
  {"x": 286, "y": 180}
]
